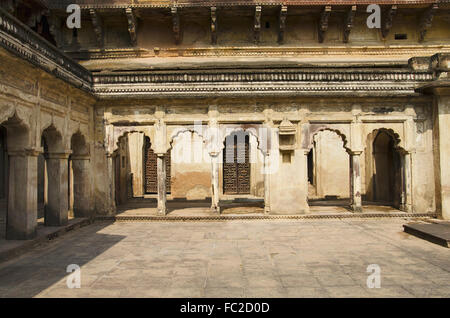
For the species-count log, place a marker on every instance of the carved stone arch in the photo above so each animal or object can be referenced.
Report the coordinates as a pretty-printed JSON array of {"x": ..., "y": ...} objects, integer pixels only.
[
  {"x": 6, "y": 112},
  {"x": 18, "y": 127},
  {"x": 79, "y": 144},
  {"x": 54, "y": 137},
  {"x": 49, "y": 121},
  {"x": 315, "y": 129},
  {"x": 398, "y": 142},
  {"x": 122, "y": 131},
  {"x": 177, "y": 132},
  {"x": 252, "y": 130}
]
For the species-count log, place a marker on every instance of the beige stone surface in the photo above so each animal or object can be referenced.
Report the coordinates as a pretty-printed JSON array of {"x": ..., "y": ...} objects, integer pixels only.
[{"x": 315, "y": 258}]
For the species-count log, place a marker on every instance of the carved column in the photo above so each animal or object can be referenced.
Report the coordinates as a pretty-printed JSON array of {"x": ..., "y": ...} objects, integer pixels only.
[
  {"x": 406, "y": 204},
  {"x": 22, "y": 195},
  {"x": 266, "y": 183},
  {"x": 111, "y": 179},
  {"x": 215, "y": 207},
  {"x": 355, "y": 181},
  {"x": 57, "y": 212},
  {"x": 161, "y": 171},
  {"x": 81, "y": 186}
]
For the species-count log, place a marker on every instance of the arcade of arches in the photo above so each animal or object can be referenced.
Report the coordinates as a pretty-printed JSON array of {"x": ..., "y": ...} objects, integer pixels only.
[{"x": 80, "y": 143}]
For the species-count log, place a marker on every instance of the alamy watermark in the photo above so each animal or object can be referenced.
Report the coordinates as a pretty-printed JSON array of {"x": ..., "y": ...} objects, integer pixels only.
[
  {"x": 74, "y": 278},
  {"x": 74, "y": 19},
  {"x": 374, "y": 279}
]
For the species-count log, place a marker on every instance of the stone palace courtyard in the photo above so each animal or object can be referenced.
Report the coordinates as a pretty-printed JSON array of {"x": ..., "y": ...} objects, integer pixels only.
[{"x": 258, "y": 258}]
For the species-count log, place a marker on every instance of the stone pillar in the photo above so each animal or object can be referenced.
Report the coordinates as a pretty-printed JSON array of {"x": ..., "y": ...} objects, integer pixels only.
[
  {"x": 215, "y": 207},
  {"x": 81, "y": 186},
  {"x": 57, "y": 212},
  {"x": 440, "y": 88},
  {"x": 441, "y": 145},
  {"x": 355, "y": 181},
  {"x": 136, "y": 143},
  {"x": 161, "y": 170},
  {"x": 111, "y": 200},
  {"x": 406, "y": 204},
  {"x": 22, "y": 195},
  {"x": 266, "y": 183}
]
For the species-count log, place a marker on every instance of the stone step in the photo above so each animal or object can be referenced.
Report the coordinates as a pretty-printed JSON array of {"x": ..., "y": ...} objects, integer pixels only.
[{"x": 435, "y": 233}]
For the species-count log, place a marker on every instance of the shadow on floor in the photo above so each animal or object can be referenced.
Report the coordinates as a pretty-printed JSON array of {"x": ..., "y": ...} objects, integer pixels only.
[{"x": 19, "y": 278}]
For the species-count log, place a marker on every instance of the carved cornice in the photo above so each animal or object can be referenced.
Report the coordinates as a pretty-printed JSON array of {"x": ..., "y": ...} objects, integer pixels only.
[
  {"x": 318, "y": 81},
  {"x": 21, "y": 41},
  {"x": 122, "y": 4}
]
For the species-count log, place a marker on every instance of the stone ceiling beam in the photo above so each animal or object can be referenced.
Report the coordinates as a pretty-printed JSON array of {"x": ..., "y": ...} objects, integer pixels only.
[
  {"x": 282, "y": 26},
  {"x": 98, "y": 26},
  {"x": 348, "y": 23},
  {"x": 323, "y": 23},
  {"x": 176, "y": 28},
  {"x": 257, "y": 26},
  {"x": 427, "y": 20},
  {"x": 132, "y": 25},
  {"x": 388, "y": 19},
  {"x": 213, "y": 25}
]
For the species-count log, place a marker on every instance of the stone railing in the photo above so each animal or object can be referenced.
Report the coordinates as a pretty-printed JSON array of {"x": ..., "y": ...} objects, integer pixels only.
[{"x": 20, "y": 40}]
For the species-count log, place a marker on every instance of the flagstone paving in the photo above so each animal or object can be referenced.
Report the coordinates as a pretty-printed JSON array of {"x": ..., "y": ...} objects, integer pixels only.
[{"x": 262, "y": 258}]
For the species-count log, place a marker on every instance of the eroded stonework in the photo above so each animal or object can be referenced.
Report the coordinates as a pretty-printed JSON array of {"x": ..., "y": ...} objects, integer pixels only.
[{"x": 161, "y": 94}]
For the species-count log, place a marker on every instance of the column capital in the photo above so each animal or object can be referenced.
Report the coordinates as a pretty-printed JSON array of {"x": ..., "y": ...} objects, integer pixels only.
[
  {"x": 355, "y": 152},
  {"x": 80, "y": 157},
  {"x": 25, "y": 152},
  {"x": 60, "y": 155}
]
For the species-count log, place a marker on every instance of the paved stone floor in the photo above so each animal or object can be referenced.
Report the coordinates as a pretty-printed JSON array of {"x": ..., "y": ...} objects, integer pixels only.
[{"x": 262, "y": 258}]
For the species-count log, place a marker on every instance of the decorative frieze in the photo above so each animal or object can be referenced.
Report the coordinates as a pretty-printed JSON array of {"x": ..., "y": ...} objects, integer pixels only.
[{"x": 273, "y": 75}]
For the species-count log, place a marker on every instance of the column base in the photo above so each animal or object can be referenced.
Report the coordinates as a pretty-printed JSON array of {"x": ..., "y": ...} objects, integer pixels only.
[
  {"x": 356, "y": 208},
  {"x": 215, "y": 209},
  {"x": 16, "y": 235},
  {"x": 406, "y": 208}
]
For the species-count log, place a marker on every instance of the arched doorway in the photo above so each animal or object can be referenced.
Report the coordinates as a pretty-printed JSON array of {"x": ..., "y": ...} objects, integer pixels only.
[
  {"x": 328, "y": 176},
  {"x": 387, "y": 174}
]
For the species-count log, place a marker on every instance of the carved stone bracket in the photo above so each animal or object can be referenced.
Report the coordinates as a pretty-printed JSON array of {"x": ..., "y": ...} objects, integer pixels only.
[
  {"x": 98, "y": 26},
  {"x": 348, "y": 23},
  {"x": 323, "y": 24},
  {"x": 282, "y": 26},
  {"x": 176, "y": 24},
  {"x": 257, "y": 32},
  {"x": 388, "y": 19},
  {"x": 132, "y": 25},
  {"x": 55, "y": 24},
  {"x": 213, "y": 25},
  {"x": 426, "y": 21}
]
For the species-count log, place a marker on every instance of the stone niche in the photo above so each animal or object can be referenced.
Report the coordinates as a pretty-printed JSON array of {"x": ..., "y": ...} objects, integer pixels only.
[{"x": 287, "y": 139}]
